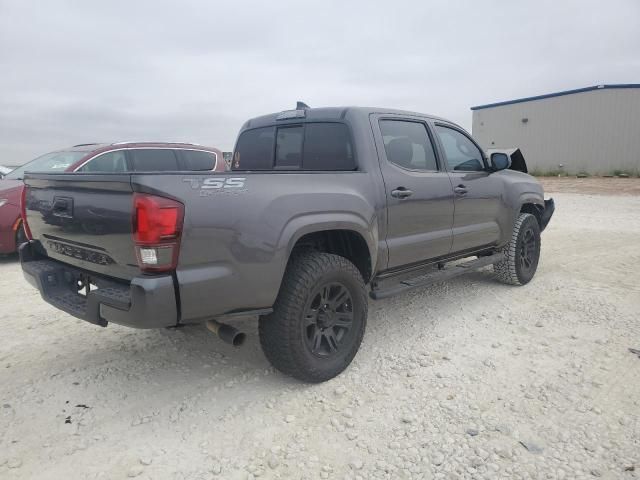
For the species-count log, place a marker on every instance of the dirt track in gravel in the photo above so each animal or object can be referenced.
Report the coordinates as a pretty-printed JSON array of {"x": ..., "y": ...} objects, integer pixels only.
[
  {"x": 592, "y": 185},
  {"x": 468, "y": 379}
]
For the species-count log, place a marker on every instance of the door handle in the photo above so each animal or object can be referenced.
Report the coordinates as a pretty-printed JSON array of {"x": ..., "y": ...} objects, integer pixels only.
[
  {"x": 401, "y": 192},
  {"x": 460, "y": 189}
]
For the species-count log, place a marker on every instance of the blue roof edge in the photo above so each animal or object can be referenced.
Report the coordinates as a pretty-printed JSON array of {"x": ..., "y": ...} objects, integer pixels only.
[{"x": 557, "y": 94}]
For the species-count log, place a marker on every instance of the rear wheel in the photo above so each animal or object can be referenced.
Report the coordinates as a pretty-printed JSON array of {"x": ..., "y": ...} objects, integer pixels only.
[
  {"x": 319, "y": 317},
  {"x": 522, "y": 253}
]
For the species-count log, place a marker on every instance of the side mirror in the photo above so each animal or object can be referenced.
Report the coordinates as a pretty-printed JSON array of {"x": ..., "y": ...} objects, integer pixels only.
[{"x": 500, "y": 161}]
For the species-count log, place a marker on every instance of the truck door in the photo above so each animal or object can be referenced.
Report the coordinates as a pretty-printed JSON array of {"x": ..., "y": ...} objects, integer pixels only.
[
  {"x": 418, "y": 191},
  {"x": 478, "y": 194}
]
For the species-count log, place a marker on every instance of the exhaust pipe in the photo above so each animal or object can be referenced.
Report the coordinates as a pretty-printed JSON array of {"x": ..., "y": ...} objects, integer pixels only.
[{"x": 226, "y": 333}]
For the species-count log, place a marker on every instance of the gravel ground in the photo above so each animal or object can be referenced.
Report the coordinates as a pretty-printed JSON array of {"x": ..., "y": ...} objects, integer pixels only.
[{"x": 468, "y": 379}]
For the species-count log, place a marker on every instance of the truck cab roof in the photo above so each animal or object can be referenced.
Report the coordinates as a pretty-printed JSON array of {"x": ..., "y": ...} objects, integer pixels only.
[{"x": 328, "y": 114}]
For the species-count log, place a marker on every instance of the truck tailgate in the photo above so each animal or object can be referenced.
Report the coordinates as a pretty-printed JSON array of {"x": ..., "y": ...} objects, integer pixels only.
[{"x": 84, "y": 221}]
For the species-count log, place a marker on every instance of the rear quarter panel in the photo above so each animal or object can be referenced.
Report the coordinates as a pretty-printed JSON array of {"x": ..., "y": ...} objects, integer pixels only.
[{"x": 240, "y": 228}]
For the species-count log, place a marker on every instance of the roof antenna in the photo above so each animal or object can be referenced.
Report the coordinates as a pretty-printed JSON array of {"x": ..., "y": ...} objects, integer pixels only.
[{"x": 302, "y": 106}]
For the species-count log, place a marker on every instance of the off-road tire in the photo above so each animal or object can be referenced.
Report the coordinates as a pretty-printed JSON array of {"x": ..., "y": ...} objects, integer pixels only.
[
  {"x": 283, "y": 332},
  {"x": 513, "y": 270}
]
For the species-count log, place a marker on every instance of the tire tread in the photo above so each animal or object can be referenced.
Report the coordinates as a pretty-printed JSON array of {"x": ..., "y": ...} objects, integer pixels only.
[
  {"x": 278, "y": 331},
  {"x": 506, "y": 269}
]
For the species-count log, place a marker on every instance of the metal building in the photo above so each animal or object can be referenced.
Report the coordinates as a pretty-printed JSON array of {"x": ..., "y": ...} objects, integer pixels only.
[{"x": 595, "y": 130}]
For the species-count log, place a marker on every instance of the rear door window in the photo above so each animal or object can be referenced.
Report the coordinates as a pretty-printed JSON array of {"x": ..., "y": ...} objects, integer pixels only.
[
  {"x": 254, "y": 150},
  {"x": 407, "y": 145},
  {"x": 153, "y": 160},
  {"x": 197, "y": 160},
  {"x": 109, "y": 162}
]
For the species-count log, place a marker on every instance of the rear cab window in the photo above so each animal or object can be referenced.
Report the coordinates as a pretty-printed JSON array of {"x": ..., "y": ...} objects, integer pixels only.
[
  {"x": 328, "y": 146},
  {"x": 289, "y": 147},
  {"x": 312, "y": 146},
  {"x": 254, "y": 150}
]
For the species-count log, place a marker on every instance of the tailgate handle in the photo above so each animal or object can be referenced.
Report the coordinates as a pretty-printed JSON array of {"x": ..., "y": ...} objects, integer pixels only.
[{"x": 63, "y": 207}]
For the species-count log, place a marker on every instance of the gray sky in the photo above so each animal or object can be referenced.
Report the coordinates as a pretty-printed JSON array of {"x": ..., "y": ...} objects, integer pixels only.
[{"x": 84, "y": 71}]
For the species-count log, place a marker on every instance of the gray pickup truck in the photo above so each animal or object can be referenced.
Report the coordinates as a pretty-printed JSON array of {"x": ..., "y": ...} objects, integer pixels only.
[{"x": 322, "y": 206}]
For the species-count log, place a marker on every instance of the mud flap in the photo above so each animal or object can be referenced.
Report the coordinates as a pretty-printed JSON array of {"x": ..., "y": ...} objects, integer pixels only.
[{"x": 549, "y": 208}]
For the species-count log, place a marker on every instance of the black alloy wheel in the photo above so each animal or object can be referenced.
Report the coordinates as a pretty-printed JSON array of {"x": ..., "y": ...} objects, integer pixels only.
[
  {"x": 328, "y": 319},
  {"x": 528, "y": 251}
]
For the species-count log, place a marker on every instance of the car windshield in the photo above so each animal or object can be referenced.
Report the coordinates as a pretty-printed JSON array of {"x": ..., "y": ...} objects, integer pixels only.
[{"x": 50, "y": 162}]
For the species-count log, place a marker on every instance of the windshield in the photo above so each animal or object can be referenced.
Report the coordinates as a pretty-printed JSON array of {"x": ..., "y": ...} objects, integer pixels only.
[{"x": 50, "y": 162}]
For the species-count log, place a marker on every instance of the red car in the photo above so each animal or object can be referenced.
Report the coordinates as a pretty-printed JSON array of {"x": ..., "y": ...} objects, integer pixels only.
[{"x": 99, "y": 158}]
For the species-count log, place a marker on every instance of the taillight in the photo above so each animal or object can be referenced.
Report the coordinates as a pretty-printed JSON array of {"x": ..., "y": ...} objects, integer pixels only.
[
  {"x": 157, "y": 226},
  {"x": 23, "y": 212}
]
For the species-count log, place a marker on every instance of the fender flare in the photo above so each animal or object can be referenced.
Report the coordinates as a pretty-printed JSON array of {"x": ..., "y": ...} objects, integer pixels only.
[
  {"x": 305, "y": 224},
  {"x": 529, "y": 198}
]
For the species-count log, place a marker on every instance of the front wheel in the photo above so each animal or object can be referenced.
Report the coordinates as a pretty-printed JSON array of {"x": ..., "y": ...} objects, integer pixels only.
[
  {"x": 522, "y": 253},
  {"x": 319, "y": 317}
]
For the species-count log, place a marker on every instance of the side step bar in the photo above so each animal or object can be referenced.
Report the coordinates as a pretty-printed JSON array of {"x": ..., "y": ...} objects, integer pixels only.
[{"x": 436, "y": 276}]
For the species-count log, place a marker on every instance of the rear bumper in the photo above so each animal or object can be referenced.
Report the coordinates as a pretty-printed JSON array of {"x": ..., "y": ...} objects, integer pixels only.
[
  {"x": 145, "y": 302},
  {"x": 549, "y": 208}
]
